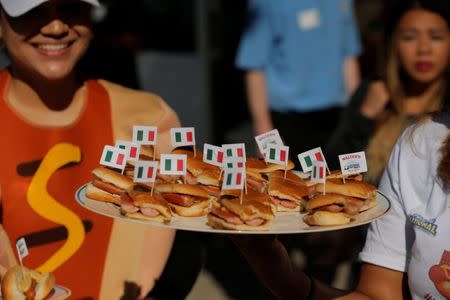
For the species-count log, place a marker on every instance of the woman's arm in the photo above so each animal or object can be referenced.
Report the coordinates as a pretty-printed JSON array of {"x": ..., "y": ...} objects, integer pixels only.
[
  {"x": 270, "y": 261},
  {"x": 377, "y": 282}
]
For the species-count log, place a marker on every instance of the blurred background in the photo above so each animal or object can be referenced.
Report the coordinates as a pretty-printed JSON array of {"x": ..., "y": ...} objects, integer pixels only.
[{"x": 184, "y": 50}]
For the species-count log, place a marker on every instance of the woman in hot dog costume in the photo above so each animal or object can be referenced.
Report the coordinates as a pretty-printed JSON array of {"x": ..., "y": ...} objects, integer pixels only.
[{"x": 55, "y": 123}]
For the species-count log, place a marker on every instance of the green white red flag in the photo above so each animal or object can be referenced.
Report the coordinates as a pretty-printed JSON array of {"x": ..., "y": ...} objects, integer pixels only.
[
  {"x": 145, "y": 171},
  {"x": 133, "y": 150},
  {"x": 213, "y": 155},
  {"x": 235, "y": 150},
  {"x": 308, "y": 157},
  {"x": 22, "y": 249},
  {"x": 173, "y": 164},
  {"x": 113, "y": 157},
  {"x": 182, "y": 136},
  {"x": 269, "y": 137},
  {"x": 353, "y": 163},
  {"x": 319, "y": 172},
  {"x": 145, "y": 135},
  {"x": 233, "y": 179},
  {"x": 277, "y": 154},
  {"x": 233, "y": 163}
]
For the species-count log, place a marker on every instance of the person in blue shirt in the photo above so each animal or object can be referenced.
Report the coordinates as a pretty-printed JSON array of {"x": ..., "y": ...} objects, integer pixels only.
[{"x": 301, "y": 65}]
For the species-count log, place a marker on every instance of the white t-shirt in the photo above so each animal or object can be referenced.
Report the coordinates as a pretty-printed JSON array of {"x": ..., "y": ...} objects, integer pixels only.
[{"x": 414, "y": 236}]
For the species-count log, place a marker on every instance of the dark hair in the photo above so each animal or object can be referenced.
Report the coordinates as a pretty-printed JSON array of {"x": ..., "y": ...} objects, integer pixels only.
[
  {"x": 398, "y": 8},
  {"x": 395, "y": 11},
  {"x": 444, "y": 165}
]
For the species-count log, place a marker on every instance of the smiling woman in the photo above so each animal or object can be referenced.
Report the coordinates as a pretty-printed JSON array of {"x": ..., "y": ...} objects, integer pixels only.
[{"x": 54, "y": 115}]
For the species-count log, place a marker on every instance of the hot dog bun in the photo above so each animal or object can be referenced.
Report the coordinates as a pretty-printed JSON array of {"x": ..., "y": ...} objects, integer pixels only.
[
  {"x": 326, "y": 218},
  {"x": 95, "y": 193},
  {"x": 188, "y": 189},
  {"x": 291, "y": 176},
  {"x": 333, "y": 209},
  {"x": 287, "y": 195},
  {"x": 187, "y": 200},
  {"x": 113, "y": 177},
  {"x": 152, "y": 207},
  {"x": 18, "y": 280},
  {"x": 108, "y": 185},
  {"x": 352, "y": 188},
  {"x": 197, "y": 166},
  {"x": 260, "y": 166},
  {"x": 233, "y": 215}
]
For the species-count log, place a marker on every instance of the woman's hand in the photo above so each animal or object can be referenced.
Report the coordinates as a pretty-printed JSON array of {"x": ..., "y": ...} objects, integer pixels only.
[
  {"x": 252, "y": 242},
  {"x": 376, "y": 100},
  {"x": 271, "y": 263}
]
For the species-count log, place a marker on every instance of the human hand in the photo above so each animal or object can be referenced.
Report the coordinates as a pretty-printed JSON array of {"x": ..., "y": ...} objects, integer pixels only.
[
  {"x": 376, "y": 100},
  {"x": 249, "y": 241}
]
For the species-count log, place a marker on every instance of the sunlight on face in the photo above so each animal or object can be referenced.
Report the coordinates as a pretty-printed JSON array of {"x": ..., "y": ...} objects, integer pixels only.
[{"x": 48, "y": 41}]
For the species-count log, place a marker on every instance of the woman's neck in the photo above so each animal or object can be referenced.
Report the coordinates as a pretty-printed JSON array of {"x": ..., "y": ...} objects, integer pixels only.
[
  {"x": 46, "y": 103},
  {"x": 55, "y": 95},
  {"x": 423, "y": 98}
]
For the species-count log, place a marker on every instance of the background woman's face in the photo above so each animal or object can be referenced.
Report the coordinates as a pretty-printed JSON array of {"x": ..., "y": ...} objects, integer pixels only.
[
  {"x": 422, "y": 41},
  {"x": 49, "y": 40}
]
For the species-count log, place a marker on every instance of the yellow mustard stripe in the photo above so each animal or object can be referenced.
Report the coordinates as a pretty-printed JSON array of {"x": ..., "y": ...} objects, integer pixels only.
[{"x": 49, "y": 208}]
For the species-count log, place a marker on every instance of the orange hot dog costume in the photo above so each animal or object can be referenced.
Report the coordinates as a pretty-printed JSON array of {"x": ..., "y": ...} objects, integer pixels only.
[{"x": 90, "y": 254}]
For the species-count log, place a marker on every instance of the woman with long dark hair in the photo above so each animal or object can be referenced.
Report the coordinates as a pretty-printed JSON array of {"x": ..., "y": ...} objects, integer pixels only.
[{"x": 414, "y": 81}]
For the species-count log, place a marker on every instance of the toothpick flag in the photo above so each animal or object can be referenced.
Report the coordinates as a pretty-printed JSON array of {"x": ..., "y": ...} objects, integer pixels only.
[
  {"x": 173, "y": 164},
  {"x": 132, "y": 149},
  {"x": 234, "y": 150},
  {"x": 22, "y": 249},
  {"x": 319, "y": 170},
  {"x": 353, "y": 163},
  {"x": 233, "y": 179},
  {"x": 269, "y": 137},
  {"x": 213, "y": 155},
  {"x": 233, "y": 163},
  {"x": 308, "y": 157},
  {"x": 145, "y": 135},
  {"x": 182, "y": 136},
  {"x": 145, "y": 171},
  {"x": 113, "y": 157},
  {"x": 277, "y": 154}
]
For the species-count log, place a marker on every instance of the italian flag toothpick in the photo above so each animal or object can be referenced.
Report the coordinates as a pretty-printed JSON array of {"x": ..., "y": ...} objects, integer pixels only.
[
  {"x": 234, "y": 150},
  {"x": 132, "y": 149},
  {"x": 145, "y": 171},
  {"x": 173, "y": 164},
  {"x": 277, "y": 154},
  {"x": 182, "y": 136},
  {"x": 308, "y": 157},
  {"x": 213, "y": 155},
  {"x": 113, "y": 157},
  {"x": 145, "y": 135}
]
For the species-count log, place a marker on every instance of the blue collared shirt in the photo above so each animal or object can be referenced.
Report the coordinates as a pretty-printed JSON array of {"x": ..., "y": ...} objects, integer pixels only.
[{"x": 301, "y": 46}]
